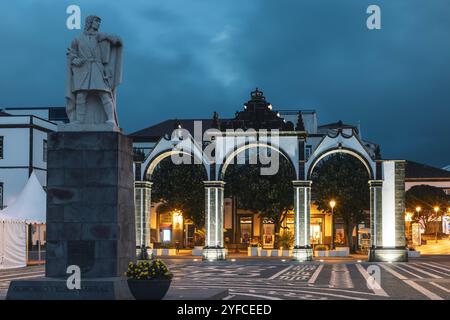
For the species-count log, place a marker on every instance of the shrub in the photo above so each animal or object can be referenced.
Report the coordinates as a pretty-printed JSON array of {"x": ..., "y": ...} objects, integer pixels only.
[
  {"x": 321, "y": 247},
  {"x": 148, "y": 270},
  {"x": 286, "y": 240}
]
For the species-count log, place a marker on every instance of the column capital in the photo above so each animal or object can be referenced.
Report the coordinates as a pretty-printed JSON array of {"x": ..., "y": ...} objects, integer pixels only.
[
  {"x": 143, "y": 184},
  {"x": 375, "y": 183},
  {"x": 302, "y": 183},
  {"x": 214, "y": 184}
]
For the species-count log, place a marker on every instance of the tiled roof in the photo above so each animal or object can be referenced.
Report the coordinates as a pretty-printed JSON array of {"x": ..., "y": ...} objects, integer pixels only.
[
  {"x": 415, "y": 170},
  {"x": 158, "y": 130}
]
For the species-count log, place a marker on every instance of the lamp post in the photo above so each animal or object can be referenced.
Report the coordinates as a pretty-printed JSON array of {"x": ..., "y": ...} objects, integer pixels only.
[
  {"x": 436, "y": 210},
  {"x": 332, "y": 205}
]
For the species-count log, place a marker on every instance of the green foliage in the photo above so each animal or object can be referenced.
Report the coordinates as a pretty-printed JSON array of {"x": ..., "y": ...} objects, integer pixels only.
[
  {"x": 270, "y": 195},
  {"x": 148, "y": 270},
  {"x": 286, "y": 240},
  {"x": 180, "y": 187},
  {"x": 343, "y": 178},
  {"x": 426, "y": 197},
  {"x": 321, "y": 247}
]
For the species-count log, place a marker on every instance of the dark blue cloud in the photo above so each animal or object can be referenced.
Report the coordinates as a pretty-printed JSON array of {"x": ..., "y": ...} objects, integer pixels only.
[{"x": 186, "y": 59}]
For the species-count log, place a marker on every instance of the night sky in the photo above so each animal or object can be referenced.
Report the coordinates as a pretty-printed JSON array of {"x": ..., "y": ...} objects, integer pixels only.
[{"x": 188, "y": 58}]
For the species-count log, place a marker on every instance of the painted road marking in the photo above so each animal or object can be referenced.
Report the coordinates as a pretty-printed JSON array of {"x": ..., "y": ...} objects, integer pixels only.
[
  {"x": 315, "y": 275},
  {"x": 393, "y": 272},
  {"x": 424, "y": 272},
  {"x": 280, "y": 273},
  {"x": 412, "y": 284},
  {"x": 340, "y": 277},
  {"x": 440, "y": 287},
  {"x": 431, "y": 268},
  {"x": 377, "y": 289},
  {"x": 296, "y": 273},
  {"x": 422, "y": 290},
  {"x": 407, "y": 271},
  {"x": 286, "y": 290},
  {"x": 434, "y": 265}
]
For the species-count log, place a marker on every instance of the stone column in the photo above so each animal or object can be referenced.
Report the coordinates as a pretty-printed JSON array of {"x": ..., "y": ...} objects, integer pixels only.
[
  {"x": 376, "y": 210},
  {"x": 302, "y": 216},
  {"x": 214, "y": 246},
  {"x": 390, "y": 224},
  {"x": 142, "y": 204}
]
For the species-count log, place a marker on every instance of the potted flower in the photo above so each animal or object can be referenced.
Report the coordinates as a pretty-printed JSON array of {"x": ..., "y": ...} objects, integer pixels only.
[
  {"x": 321, "y": 250},
  {"x": 253, "y": 249},
  {"x": 148, "y": 280}
]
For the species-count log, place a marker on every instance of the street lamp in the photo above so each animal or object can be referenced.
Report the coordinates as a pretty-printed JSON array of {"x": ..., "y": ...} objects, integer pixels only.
[
  {"x": 332, "y": 205},
  {"x": 436, "y": 210}
]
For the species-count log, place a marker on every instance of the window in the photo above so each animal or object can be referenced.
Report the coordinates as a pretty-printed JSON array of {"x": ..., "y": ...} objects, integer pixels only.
[
  {"x": 1, "y": 195},
  {"x": 44, "y": 151},
  {"x": 1, "y": 147},
  {"x": 308, "y": 151}
]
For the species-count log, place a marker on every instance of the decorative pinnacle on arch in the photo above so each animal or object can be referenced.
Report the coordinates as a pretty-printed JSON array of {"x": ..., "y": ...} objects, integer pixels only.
[{"x": 257, "y": 95}]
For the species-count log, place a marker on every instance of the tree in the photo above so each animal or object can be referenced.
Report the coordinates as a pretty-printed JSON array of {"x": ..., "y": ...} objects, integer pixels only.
[
  {"x": 426, "y": 197},
  {"x": 343, "y": 178},
  {"x": 180, "y": 187},
  {"x": 269, "y": 195}
]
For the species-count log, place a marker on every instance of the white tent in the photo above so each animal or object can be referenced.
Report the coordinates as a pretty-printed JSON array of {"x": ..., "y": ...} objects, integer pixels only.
[
  {"x": 28, "y": 208},
  {"x": 30, "y": 205},
  {"x": 13, "y": 239}
]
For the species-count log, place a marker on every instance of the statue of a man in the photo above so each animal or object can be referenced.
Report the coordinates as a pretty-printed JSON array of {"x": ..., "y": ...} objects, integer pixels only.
[{"x": 94, "y": 72}]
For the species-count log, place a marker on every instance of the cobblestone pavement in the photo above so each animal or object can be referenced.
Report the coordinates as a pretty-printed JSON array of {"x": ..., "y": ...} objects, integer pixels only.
[{"x": 425, "y": 278}]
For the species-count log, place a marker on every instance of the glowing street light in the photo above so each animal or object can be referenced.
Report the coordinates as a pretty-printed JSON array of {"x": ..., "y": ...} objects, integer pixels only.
[{"x": 332, "y": 205}]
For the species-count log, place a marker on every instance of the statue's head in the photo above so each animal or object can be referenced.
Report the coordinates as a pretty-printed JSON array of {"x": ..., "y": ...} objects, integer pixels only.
[{"x": 92, "y": 22}]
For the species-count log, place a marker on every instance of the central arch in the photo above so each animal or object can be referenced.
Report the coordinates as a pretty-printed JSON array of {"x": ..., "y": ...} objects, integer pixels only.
[{"x": 229, "y": 158}]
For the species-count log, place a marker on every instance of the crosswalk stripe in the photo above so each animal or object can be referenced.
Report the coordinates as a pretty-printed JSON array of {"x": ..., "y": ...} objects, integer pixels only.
[
  {"x": 340, "y": 277},
  {"x": 432, "y": 269},
  {"x": 315, "y": 275},
  {"x": 412, "y": 284},
  {"x": 440, "y": 287},
  {"x": 377, "y": 289},
  {"x": 437, "y": 266},
  {"x": 393, "y": 272},
  {"x": 423, "y": 271},
  {"x": 422, "y": 290},
  {"x": 407, "y": 271},
  {"x": 281, "y": 272}
]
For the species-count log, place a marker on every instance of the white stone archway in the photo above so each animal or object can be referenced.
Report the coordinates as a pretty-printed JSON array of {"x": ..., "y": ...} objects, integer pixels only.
[
  {"x": 387, "y": 203},
  {"x": 386, "y": 186}
]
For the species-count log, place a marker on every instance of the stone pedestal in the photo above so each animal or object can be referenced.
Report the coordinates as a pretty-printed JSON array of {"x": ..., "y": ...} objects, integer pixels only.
[
  {"x": 90, "y": 215},
  {"x": 302, "y": 254},
  {"x": 388, "y": 255}
]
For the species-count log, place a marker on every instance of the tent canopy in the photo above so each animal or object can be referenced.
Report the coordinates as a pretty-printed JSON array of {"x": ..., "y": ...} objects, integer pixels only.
[{"x": 29, "y": 206}]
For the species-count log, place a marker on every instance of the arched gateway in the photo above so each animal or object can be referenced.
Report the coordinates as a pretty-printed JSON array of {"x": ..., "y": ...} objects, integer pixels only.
[{"x": 228, "y": 139}]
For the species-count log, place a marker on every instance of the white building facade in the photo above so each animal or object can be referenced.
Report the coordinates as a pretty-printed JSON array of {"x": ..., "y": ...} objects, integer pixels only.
[{"x": 23, "y": 148}]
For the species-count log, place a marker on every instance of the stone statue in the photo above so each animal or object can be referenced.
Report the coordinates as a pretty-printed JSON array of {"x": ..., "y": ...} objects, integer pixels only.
[{"x": 94, "y": 70}]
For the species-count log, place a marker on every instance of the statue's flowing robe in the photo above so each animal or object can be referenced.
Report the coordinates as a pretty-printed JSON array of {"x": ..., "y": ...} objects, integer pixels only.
[{"x": 100, "y": 71}]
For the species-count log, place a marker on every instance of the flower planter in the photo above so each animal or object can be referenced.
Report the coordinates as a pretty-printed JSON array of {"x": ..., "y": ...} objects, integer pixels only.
[
  {"x": 264, "y": 252},
  {"x": 413, "y": 254},
  {"x": 321, "y": 253},
  {"x": 149, "y": 289},
  {"x": 166, "y": 252},
  {"x": 253, "y": 251}
]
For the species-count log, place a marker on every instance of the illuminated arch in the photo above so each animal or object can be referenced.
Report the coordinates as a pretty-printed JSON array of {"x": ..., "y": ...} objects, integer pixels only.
[{"x": 233, "y": 154}]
